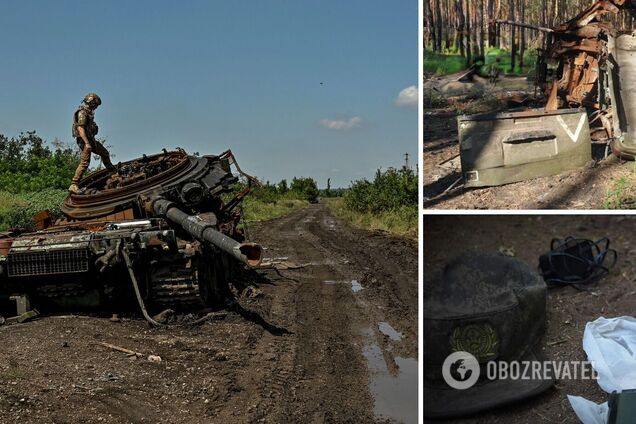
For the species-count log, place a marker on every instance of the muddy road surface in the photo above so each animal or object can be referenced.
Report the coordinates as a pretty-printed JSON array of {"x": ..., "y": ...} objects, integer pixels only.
[{"x": 331, "y": 338}]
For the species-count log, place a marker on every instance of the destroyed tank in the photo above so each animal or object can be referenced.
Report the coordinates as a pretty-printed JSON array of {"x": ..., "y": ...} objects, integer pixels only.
[{"x": 160, "y": 232}]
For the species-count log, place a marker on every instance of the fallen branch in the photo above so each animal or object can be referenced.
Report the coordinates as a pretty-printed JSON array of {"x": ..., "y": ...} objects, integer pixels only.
[
  {"x": 524, "y": 25},
  {"x": 448, "y": 160},
  {"x": 556, "y": 342},
  {"x": 445, "y": 191},
  {"x": 121, "y": 349},
  {"x": 282, "y": 265}
]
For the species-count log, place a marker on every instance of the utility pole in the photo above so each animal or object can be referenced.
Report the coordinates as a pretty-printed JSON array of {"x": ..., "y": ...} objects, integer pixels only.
[{"x": 406, "y": 160}]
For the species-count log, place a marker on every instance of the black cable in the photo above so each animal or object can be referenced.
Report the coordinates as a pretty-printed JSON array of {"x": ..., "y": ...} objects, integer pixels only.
[{"x": 576, "y": 262}]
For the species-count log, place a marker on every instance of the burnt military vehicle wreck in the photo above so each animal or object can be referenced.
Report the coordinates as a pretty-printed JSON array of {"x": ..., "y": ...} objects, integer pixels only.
[
  {"x": 161, "y": 232},
  {"x": 586, "y": 72}
]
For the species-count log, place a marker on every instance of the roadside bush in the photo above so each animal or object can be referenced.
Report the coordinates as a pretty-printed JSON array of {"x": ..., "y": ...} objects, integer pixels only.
[
  {"x": 300, "y": 189},
  {"x": 271, "y": 201},
  {"x": 402, "y": 221},
  {"x": 390, "y": 190},
  {"x": 388, "y": 203},
  {"x": 304, "y": 188},
  {"x": 17, "y": 210},
  {"x": 256, "y": 210},
  {"x": 265, "y": 194},
  {"x": 28, "y": 164},
  {"x": 34, "y": 176}
]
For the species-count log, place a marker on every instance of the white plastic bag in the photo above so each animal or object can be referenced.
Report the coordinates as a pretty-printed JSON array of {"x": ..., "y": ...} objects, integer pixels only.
[{"x": 610, "y": 344}]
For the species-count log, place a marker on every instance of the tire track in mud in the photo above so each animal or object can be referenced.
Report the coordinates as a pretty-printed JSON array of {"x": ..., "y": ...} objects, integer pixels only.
[
  {"x": 331, "y": 379},
  {"x": 329, "y": 374}
]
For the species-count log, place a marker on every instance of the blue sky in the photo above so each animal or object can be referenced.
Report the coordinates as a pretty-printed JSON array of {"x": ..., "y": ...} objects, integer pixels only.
[{"x": 212, "y": 75}]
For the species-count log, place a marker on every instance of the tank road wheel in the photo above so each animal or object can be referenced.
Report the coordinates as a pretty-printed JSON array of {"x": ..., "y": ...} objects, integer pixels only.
[{"x": 213, "y": 287}]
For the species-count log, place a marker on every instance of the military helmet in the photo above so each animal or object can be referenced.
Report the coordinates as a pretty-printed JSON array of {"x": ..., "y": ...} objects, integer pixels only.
[{"x": 92, "y": 98}]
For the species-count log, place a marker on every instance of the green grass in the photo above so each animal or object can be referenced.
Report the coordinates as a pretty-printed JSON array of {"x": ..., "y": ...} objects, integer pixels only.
[
  {"x": 529, "y": 61},
  {"x": 17, "y": 210},
  {"x": 256, "y": 210},
  {"x": 402, "y": 221},
  {"x": 450, "y": 63},
  {"x": 442, "y": 64},
  {"x": 622, "y": 193}
]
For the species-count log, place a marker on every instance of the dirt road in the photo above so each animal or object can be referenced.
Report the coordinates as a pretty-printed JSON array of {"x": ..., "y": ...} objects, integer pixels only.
[{"x": 331, "y": 341}]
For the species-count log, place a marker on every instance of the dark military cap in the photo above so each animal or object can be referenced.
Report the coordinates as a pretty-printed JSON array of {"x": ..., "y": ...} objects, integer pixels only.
[{"x": 493, "y": 307}]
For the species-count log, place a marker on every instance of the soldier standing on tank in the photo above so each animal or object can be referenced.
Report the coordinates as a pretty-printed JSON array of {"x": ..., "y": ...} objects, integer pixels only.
[{"x": 84, "y": 131}]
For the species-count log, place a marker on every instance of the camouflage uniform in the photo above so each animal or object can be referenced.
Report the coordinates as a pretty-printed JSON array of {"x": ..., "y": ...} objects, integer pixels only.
[{"x": 85, "y": 117}]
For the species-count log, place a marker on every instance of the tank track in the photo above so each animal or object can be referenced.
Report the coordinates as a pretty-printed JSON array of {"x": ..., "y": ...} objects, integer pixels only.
[
  {"x": 52, "y": 291},
  {"x": 174, "y": 285}
]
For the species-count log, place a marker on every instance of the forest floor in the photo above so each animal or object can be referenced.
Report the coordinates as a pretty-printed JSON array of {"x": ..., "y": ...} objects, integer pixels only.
[
  {"x": 334, "y": 339},
  {"x": 583, "y": 188},
  {"x": 568, "y": 310}
]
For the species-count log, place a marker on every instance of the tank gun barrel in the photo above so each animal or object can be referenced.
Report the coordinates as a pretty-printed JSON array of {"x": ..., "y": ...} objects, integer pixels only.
[{"x": 248, "y": 253}]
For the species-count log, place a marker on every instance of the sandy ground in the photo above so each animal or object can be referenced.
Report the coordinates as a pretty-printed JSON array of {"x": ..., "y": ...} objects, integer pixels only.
[
  {"x": 568, "y": 310},
  {"x": 332, "y": 341}
]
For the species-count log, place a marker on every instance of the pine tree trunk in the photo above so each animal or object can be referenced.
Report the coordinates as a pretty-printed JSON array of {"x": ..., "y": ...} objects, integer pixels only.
[
  {"x": 480, "y": 16},
  {"x": 543, "y": 15},
  {"x": 440, "y": 24},
  {"x": 459, "y": 12},
  {"x": 447, "y": 42},
  {"x": 429, "y": 35},
  {"x": 513, "y": 45},
  {"x": 522, "y": 35},
  {"x": 498, "y": 32},
  {"x": 492, "y": 26},
  {"x": 469, "y": 42}
]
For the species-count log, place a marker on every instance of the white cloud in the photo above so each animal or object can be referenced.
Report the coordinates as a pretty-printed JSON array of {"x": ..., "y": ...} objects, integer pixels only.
[
  {"x": 407, "y": 97},
  {"x": 341, "y": 124}
]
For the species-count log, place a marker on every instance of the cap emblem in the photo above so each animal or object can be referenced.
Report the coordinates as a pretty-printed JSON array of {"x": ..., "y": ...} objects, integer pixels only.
[{"x": 480, "y": 340}]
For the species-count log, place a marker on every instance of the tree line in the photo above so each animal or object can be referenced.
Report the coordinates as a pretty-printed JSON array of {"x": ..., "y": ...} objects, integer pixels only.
[
  {"x": 469, "y": 27},
  {"x": 28, "y": 163}
]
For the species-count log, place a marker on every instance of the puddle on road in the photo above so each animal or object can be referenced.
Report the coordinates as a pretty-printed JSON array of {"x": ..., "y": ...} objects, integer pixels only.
[
  {"x": 386, "y": 329},
  {"x": 356, "y": 286},
  {"x": 395, "y": 396}
]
